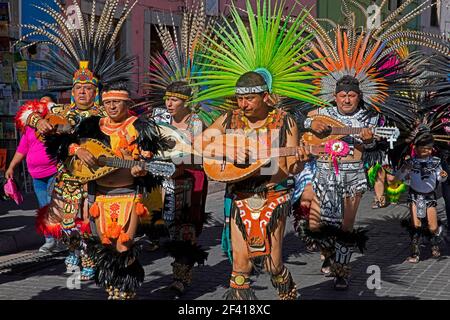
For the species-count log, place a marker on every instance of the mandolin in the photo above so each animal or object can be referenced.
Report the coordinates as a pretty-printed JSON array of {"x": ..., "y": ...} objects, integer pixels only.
[
  {"x": 59, "y": 124},
  {"x": 227, "y": 171},
  {"x": 340, "y": 130},
  {"x": 108, "y": 162},
  {"x": 180, "y": 144}
]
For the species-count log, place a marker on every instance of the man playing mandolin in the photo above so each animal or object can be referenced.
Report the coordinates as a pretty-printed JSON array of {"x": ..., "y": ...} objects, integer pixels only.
[
  {"x": 340, "y": 175},
  {"x": 258, "y": 201},
  {"x": 117, "y": 197},
  {"x": 264, "y": 195}
]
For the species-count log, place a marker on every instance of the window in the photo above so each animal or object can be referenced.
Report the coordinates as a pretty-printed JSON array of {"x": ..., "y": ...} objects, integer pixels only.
[{"x": 434, "y": 19}]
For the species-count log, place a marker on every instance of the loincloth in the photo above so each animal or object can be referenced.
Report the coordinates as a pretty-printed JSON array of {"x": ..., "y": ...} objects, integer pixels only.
[
  {"x": 114, "y": 207},
  {"x": 257, "y": 216},
  {"x": 332, "y": 188}
]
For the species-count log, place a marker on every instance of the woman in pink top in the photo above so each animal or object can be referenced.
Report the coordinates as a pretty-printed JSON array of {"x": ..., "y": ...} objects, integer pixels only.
[{"x": 41, "y": 169}]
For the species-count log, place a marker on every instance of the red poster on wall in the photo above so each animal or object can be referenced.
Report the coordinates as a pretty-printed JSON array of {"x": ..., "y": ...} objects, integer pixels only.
[{"x": 3, "y": 154}]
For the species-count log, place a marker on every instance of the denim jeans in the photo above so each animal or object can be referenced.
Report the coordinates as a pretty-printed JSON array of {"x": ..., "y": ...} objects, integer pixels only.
[
  {"x": 446, "y": 192},
  {"x": 41, "y": 189}
]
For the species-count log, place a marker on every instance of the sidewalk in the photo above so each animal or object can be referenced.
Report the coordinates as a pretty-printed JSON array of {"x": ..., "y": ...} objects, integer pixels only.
[
  {"x": 17, "y": 223},
  {"x": 387, "y": 249},
  {"x": 17, "y": 230}
]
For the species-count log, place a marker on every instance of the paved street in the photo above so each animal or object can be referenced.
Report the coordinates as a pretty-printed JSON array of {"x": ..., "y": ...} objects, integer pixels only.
[{"x": 387, "y": 248}]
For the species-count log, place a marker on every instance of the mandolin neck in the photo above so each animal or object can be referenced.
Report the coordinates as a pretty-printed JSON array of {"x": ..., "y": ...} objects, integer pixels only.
[
  {"x": 345, "y": 131},
  {"x": 290, "y": 151},
  {"x": 121, "y": 163}
]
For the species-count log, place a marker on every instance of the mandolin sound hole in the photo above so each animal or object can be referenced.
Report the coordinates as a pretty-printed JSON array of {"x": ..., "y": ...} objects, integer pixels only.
[
  {"x": 101, "y": 161},
  {"x": 171, "y": 143}
]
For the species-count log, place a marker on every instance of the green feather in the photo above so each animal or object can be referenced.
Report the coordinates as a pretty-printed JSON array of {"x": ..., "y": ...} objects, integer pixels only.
[
  {"x": 393, "y": 194},
  {"x": 390, "y": 191},
  {"x": 372, "y": 173},
  {"x": 270, "y": 41}
]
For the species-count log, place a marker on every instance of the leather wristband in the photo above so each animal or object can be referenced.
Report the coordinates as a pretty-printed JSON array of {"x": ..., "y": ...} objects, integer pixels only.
[
  {"x": 33, "y": 120},
  {"x": 73, "y": 148}
]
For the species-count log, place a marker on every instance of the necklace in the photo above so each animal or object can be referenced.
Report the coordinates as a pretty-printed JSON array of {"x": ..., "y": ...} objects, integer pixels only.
[{"x": 269, "y": 120}]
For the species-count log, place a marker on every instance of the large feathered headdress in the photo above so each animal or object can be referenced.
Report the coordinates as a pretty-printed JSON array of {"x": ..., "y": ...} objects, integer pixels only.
[
  {"x": 180, "y": 60},
  {"x": 372, "y": 56},
  {"x": 433, "y": 74},
  {"x": 432, "y": 127},
  {"x": 268, "y": 46},
  {"x": 83, "y": 51}
]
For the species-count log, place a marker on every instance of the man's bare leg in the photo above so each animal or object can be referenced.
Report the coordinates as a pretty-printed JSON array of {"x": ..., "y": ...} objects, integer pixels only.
[
  {"x": 380, "y": 199},
  {"x": 281, "y": 277},
  {"x": 351, "y": 205},
  {"x": 242, "y": 267},
  {"x": 326, "y": 245},
  {"x": 305, "y": 204}
]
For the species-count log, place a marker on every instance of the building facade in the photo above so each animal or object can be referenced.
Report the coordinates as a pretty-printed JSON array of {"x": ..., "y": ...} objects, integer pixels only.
[
  {"x": 139, "y": 33},
  {"x": 437, "y": 19}
]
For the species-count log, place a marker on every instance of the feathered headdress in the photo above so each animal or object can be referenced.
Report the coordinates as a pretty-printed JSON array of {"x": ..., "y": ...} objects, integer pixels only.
[
  {"x": 432, "y": 127},
  {"x": 433, "y": 74},
  {"x": 180, "y": 61},
  {"x": 372, "y": 56},
  {"x": 434, "y": 123},
  {"x": 83, "y": 51},
  {"x": 269, "y": 47}
]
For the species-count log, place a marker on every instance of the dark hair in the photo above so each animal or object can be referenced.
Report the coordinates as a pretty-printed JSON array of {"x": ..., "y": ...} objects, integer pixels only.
[
  {"x": 250, "y": 79},
  {"x": 348, "y": 83},
  {"x": 181, "y": 87},
  {"x": 424, "y": 138},
  {"x": 119, "y": 85}
]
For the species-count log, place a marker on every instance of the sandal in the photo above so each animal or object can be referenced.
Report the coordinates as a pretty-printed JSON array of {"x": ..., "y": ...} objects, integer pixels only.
[
  {"x": 413, "y": 259},
  {"x": 178, "y": 287},
  {"x": 326, "y": 267},
  {"x": 340, "y": 283},
  {"x": 435, "y": 252},
  {"x": 379, "y": 203},
  {"x": 311, "y": 247},
  {"x": 72, "y": 262},
  {"x": 87, "y": 274}
]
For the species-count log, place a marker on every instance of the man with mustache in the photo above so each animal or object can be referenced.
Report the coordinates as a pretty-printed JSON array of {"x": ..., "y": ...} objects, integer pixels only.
[{"x": 337, "y": 193}]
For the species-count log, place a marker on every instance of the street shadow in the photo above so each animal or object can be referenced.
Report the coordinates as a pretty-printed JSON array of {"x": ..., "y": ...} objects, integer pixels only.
[
  {"x": 387, "y": 248},
  {"x": 210, "y": 237},
  {"x": 86, "y": 291},
  {"x": 51, "y": 266},
  {"x": 206, "y": 279},
  {"x": 13, "y": 222},
  {"x": 29, "y": 203}
]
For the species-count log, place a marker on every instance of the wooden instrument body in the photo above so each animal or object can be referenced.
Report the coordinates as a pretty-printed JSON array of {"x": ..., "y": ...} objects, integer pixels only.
[
  {"x": 220, "y": 169},
  {"x": 108, "y": 161},
  {"x": 226, "y": 171},
  {"x": 310, "y": 138},
  {"x": 340, "y": 130},
  {"x": 182, "y": 146},
  {"x": 84, "y": 173},
  {"x": 59, "y": 124}
]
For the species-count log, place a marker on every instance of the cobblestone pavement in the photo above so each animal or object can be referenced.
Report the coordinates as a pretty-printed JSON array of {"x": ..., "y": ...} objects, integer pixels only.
[{"x": 387, "y": 249}]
